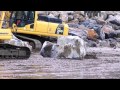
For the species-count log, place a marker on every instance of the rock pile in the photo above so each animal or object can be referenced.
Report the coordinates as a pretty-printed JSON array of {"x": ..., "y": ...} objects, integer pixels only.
[
  {"x": 103, "y": 30},
  {"x": 98, "y": 31}
]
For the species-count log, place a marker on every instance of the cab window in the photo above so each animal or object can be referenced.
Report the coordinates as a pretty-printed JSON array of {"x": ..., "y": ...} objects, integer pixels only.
[
  {"x": 55, "y": 20},
  {"x": 43, "y": 18}
]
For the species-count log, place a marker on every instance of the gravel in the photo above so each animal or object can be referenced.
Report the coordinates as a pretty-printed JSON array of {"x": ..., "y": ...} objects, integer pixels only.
[{"x": 106, "y": 66}]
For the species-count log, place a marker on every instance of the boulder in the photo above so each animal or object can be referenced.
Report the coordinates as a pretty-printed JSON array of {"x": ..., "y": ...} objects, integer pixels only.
[
  {"x": 115, "y": 27},
  {"x": 69, "y": 47},
  {"x": 113, "y": 42},
  {"x": 118, "y": 42},
  {"x": 101, "y": 34},
  {"x": 63, "y": 16},
  {"x": 114, "y": 21},
  {"x": 115, "y": 34},
  {"x": 108, "y": 43},
  {"x": 91, "y": 43},
  {"x": 89, "y": 23},
  {"x": 100, "y": 21},
  {"x": 92, "y": 35},
  {"x": 73, "y": 25},
  {"x": 78, "y": 32},
  {"x": 70, "y": 18},
  {"x": 104, "y": 43},
  {"x": 118, "y": 45},
  {"x": 75, "y": 45},
  {"x": 83, "y": 32},
  {"x": 107, "y": 29},
  {"x": 46, "y": 49}
]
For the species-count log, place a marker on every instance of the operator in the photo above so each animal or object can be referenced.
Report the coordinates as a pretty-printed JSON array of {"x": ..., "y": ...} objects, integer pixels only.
[{"x": 19, "y": 17}]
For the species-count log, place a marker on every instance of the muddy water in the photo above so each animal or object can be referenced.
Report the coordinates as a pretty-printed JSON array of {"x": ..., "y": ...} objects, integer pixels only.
[{"x": 36, "y": 67}]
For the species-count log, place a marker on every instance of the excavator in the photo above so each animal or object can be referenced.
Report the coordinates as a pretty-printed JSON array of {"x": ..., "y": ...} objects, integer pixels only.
[
  {"x": 35, "y": 28},
  {"x": 10, "y": 51}
]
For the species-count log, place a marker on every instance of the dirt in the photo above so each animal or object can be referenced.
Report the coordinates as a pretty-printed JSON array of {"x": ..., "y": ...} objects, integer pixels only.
[{"x": 105, "y": 66}]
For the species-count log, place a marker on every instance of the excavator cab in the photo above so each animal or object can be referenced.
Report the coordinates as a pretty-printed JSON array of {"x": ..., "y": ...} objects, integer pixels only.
[
  {"x": 31, "y": 22},
  {"x": 22, "y": 18}
]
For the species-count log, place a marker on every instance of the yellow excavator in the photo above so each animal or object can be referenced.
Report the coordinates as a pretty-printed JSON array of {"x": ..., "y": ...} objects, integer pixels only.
[
  {"x": 8, "y": 51},
  {"x": 35, "y": 28}
]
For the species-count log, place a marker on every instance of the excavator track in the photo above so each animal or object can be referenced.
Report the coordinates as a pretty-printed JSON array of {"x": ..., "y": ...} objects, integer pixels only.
[
  {"x": 8, "y": 51},
  {"x": 37, "y": 44}
]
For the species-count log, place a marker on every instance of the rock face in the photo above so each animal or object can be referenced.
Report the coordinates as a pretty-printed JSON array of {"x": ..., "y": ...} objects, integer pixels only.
[{"x": 69, "y": 47}]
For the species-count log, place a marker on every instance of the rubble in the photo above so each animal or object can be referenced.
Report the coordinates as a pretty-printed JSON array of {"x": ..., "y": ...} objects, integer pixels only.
[{"x": 69, "y": 47}]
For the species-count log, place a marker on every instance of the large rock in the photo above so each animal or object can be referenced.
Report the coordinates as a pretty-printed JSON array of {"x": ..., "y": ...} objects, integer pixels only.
[
  {"x": 100, "y": 21},
  {"x": 69, "y": 47},
  {"x": 115, "y": 34},
  {"x": 92, "y": 35},
  {"x": 114, "y": 21},
  {"x": 46, "y": 50},
  {"x": 82, "y": 33},
  {"x": 75, "y": 45},
  {"x": 91, "y": 43},
  {"x": 63, "y": 16},
  {"x": 70, "y": 18},
  {"x": 107, "y": 29},
  {"x": 108, "y": 43},
  {"x": 92, "y": 24},
  {"x": 104, "y": 43},
  {"x": 73, "y": 25}
]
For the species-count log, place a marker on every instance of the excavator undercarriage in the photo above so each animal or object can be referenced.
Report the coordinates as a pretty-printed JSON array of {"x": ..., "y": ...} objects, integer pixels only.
[{"x": 8, "y": 51}]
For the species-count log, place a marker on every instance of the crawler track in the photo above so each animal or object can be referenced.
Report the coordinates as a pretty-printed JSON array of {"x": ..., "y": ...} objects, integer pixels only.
[
  {"x": 8, "y": 51},
  {"x": 36, "y": 44}
]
